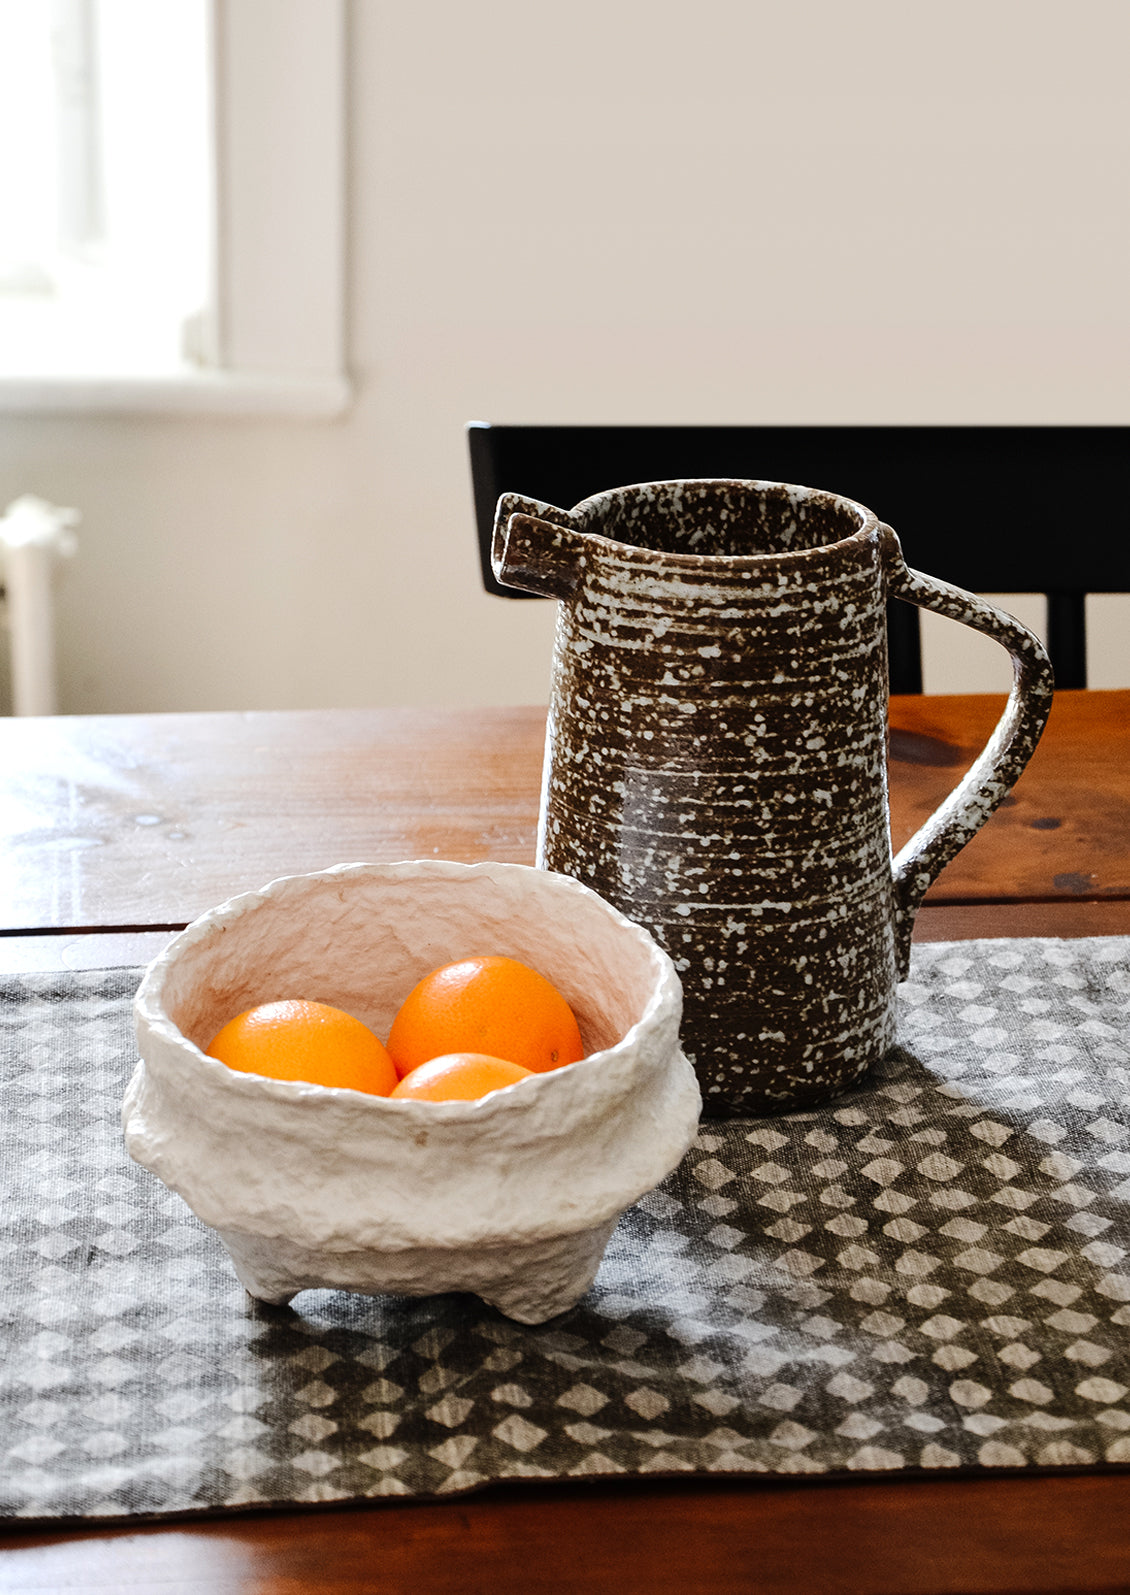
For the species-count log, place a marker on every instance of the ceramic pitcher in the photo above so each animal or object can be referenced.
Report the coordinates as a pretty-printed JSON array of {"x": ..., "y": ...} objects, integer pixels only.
[{"x": 716, "y": 759}]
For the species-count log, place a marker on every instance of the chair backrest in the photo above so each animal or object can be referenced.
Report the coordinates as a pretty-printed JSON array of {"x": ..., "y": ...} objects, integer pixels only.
[{"x": 1039, "y": 509}]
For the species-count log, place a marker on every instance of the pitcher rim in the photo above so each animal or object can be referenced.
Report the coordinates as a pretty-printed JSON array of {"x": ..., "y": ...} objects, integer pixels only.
[{"x": 870, "y": 525}]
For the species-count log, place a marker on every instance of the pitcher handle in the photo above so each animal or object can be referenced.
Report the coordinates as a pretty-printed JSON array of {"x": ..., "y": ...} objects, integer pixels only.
[{"x": 990, "y": 779}]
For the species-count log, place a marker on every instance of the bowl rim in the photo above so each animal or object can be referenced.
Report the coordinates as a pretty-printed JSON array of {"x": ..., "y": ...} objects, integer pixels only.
[{"x": 151, "y": 1015}]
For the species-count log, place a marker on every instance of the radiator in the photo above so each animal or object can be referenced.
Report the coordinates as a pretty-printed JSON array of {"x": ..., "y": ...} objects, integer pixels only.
[{"x": 34, "y": 538}]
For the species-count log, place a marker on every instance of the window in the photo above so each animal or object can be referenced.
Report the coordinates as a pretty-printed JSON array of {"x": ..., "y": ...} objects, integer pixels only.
[{"x": 172, "y": 213}]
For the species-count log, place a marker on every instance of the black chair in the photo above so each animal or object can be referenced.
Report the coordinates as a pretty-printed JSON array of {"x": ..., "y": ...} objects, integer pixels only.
[{"x": 989, "y": 508}]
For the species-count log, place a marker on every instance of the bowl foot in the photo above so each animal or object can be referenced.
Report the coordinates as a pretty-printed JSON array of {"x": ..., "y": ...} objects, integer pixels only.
[
  {"x": 261, "y": 1287},
  {"x": 529, "y": 1283}
]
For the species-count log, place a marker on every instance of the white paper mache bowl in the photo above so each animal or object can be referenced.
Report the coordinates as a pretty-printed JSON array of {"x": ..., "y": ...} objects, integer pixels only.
[{"x": 512, "y": 1197}]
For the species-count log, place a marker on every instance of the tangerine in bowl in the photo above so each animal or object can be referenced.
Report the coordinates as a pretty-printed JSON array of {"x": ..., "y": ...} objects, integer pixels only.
[{"x": 512, "y": 1194}]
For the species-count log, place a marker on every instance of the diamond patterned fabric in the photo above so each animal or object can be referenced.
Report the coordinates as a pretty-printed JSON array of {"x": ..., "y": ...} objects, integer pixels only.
[{"x": 931, "y": 1272}]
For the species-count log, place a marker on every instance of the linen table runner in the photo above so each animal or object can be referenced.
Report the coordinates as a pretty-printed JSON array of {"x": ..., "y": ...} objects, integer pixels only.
[{"x": 928, "y": 1273}]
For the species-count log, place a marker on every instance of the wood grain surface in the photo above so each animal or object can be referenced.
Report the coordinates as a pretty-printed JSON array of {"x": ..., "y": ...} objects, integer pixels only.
[
  {"x": 1064, "y": 831},
  {"x": 116, "y": 827},
  {"x": 700, "y": 1537},
  {"x": 134, "y": 821}
]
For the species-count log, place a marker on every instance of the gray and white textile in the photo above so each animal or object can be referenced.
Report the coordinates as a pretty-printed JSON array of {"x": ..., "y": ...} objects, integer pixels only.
[{"x": 932, "y": 1272}]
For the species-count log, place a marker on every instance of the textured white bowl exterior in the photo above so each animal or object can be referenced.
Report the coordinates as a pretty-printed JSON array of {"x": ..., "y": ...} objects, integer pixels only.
[{"x": 513, "y": 1196}]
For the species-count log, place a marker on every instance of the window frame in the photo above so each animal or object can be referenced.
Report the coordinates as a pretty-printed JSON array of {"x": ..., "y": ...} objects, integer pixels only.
[{"x": 272, "y": 341}]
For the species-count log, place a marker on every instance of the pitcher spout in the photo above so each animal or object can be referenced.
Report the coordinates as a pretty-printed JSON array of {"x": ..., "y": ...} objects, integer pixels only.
[{"x": 537, "y": 547}]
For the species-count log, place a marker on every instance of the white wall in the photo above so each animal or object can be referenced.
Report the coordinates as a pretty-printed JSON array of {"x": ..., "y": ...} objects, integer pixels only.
[{"x": 883, "y": 211}]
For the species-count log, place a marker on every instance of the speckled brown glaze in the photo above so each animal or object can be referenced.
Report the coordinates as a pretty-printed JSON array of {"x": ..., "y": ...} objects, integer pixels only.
[{"x": 716, "y": 759}]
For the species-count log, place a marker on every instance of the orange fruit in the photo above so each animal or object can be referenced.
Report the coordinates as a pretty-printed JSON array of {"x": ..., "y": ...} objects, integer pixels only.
[
  {"x": 299, "y": 1040},
  {"x": 459, "y": 1077},
  {"x": 489, "y": 1005}
]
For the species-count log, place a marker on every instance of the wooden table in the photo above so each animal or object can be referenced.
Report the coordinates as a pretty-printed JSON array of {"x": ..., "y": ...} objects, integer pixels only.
[{"x": 119, "y": 829}]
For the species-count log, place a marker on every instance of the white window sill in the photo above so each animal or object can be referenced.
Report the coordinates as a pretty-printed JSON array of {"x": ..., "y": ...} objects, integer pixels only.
[{"x": 190, "y": 392}]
